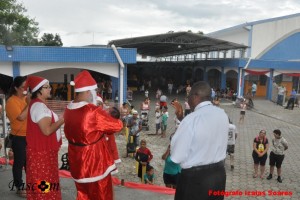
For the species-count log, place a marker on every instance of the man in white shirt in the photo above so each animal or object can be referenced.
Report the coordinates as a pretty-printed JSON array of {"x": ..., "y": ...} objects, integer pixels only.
[
  {"x": 253, "y": 89},
  {"x": 281, "y": 91},
  {"x": 199, "y": 146}
]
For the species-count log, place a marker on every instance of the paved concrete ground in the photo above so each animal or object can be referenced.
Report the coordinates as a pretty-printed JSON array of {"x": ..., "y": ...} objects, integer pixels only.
[{"x": 265, "y": 115}]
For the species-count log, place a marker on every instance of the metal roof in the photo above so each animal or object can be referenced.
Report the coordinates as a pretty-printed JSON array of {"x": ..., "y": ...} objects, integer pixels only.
[
  {"x": 241, "y": 26},
  {"x": 175, "y": 43}
]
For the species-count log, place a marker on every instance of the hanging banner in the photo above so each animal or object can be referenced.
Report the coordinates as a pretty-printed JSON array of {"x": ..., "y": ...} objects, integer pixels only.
[
  {"x": 251, "y": 72},
  {"x": 293, "y": 74}
]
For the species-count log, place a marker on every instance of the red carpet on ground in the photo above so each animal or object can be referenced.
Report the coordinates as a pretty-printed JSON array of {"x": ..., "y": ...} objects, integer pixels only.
[{"x": 116, "y": 181}]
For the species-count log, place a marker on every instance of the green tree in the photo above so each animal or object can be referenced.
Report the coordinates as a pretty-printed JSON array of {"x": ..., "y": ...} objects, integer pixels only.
[
  {"x": 15, "y": 27},
  {"x": 48, "y": 39}
]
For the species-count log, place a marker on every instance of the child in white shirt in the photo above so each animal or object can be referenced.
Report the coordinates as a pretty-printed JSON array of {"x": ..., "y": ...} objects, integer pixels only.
[{"x": 157, "y": 119}]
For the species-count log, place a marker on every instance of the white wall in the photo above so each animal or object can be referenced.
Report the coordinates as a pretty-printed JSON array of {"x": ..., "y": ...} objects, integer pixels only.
[
  {"x": 239, "y": 36},
  {"x": 55, "y": 71},
  {"x": 266, "y": 35},
  {"x": 57, "y": 75},
  {"x": 6, "y": 68}
]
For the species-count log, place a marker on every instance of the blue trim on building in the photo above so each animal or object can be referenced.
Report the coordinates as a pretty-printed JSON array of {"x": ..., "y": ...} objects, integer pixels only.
[
  {"x": 66, "y": 54},
  {"x": 287, "y": 49},
  {"x": 267, "y": 64}
]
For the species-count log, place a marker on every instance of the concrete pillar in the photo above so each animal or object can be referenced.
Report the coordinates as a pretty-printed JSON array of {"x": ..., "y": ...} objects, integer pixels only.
[
  {"x": 241, "y": 82},
  {"x": 125, "y": 84},
  {"x": 115, "y": 83},
  {"x": 205, "y": 75},
  {"x": 270, "y": 84},
  {"x": 223, "y": 78},
  {"x": 16, "y": 69}
]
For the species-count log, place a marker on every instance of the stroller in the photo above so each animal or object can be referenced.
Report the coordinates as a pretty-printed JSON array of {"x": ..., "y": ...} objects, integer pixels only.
[
  {"x": 145, "y": 119},
  {"x": 239, "y": 100}
]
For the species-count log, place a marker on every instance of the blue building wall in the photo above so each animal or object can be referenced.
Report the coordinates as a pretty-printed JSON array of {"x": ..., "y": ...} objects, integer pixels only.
[
  {"x": 287, "y": 49},
  {"x": 66, "y": 54}
]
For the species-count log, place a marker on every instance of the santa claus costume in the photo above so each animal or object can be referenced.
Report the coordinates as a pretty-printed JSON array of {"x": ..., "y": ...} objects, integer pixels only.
[
  {"x": 43, "y": 142},
  {"x": 85, "y": 128}
]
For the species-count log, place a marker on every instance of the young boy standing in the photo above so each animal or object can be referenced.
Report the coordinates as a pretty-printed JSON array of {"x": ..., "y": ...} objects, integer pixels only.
[
  {"x": 164, "y": 122},
  {"x": 243, "y": 111},
  {"x": 279, "y": 145},
  {"x": 232, "y": 135},
  {"x": 143, "y": 156},
  {"x": 157, "y": 119}
]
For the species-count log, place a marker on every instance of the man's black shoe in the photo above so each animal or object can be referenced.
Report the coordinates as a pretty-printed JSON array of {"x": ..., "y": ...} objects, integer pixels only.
[
  {"x": 270, "y": 177},
  {"x": 279, "y": 179}
]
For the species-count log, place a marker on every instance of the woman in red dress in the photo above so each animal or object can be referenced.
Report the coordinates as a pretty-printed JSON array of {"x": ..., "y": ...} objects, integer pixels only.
[{"x": 43, "y": 142}]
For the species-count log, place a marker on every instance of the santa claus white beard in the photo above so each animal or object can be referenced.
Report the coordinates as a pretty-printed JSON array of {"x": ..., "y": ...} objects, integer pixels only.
[{"x": 93, "y": 97}]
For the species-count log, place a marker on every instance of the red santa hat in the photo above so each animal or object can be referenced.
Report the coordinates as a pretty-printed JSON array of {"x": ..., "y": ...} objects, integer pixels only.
[
  {"x": 84, "y": 82},
  {"x": 34, "y": 83}
]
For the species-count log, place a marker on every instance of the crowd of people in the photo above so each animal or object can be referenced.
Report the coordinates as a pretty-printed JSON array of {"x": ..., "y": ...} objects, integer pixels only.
[{"x": 181, "y": 167}]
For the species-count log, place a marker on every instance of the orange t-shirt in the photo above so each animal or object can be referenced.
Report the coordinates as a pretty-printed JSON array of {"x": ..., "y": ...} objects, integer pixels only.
[{"x": 14, "y": 107}]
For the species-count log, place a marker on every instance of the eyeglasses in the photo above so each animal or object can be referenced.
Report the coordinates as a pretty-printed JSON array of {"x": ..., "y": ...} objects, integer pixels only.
[{"x": 47, "y": 87}]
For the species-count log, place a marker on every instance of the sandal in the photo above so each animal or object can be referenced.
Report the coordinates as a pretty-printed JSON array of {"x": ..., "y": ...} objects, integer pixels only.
[
  {"x": 21, "y": 193},
  {"x": 262, "y": 176},
  {"x": 255, "y": 175}
]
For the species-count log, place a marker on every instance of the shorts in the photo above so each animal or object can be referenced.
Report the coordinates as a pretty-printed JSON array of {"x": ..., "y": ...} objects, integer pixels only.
[
  {"x": 171, "y": 179},
  {"x": 163, "y": 105},
  {"x": 163, "y": 127},
  {"x": 157, "y": 126},
  {"x": 276, "y": 159},
  {"x": 259, "y": 160},
  {"x": 230, "y": 149},
  {"x": 243, "y": 112}
]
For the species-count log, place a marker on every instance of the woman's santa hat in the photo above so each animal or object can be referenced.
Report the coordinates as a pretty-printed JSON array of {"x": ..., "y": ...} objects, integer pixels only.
[
  {"x": 84, "y": 82},
  {"x": 34, "y": 83}
]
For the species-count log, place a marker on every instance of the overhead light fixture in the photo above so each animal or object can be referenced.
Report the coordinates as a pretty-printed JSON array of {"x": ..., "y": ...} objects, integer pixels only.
[{"x": 8, "y": 48}]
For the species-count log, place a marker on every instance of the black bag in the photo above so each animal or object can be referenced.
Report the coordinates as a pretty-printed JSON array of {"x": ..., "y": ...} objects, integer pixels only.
[{"x": 8, "y": 141}]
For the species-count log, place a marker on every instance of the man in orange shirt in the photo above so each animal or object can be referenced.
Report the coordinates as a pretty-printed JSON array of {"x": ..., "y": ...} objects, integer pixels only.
[{"x": 16, "y": 110}]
